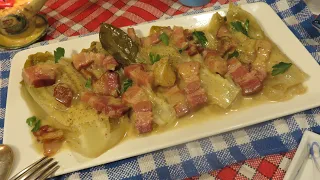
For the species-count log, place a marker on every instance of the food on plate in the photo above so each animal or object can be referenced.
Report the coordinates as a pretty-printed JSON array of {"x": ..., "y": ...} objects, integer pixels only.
[{"x": 128, "y": 85}]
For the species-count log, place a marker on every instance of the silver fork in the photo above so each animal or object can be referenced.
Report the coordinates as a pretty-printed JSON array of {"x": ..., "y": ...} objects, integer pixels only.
[{"x": 39, "y": 170}]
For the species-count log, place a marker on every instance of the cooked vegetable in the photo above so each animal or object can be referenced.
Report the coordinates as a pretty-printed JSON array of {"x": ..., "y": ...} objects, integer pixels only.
[
  {"x": 164, "y": 38},
  {"x": 215, "y": 23},
  {"x": 39, "y": 57},
  {"x": 118, "y": 44},
  {"x": 223, "y": 94},
  {"x": 126, "y": 84},
  {"x": 88, "y": 133},
  {"x": 163, "y": 73},
  {"x": 280, "y": 68},
  {"x": 200, "y": 37},
  {"x": 154, "y": 57},
  {"x": 58, "y": 54}
]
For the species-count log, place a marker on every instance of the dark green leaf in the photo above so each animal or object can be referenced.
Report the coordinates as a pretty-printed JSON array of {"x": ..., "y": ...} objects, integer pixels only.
[
  {"x": 180, "y": 51},
  {"x": 154, "y": 57},
  {"x": 116, "y": 42},
  {"x": 238, "y": 27},
  {"x": 88, "y": 83},
  {"x": 126, "y": 84},
  {"x": 280, "y": 68},
  {"x": 234, "y": 54},
  {"x": 246, "y": 25},
  {"x": 201, "y": 38},
  {"x": 164, "y": 38},
  {"x": 36, "y": 126},
  {"x": 31, "y": 120},
  {"x": 58, "y": 53}
]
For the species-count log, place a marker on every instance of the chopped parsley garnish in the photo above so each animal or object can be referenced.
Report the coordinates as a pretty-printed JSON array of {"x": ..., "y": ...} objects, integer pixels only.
[
  {"x": 201, "y": 38},
  {"x": 31, "y": 121},
  {"x": 239, "y": 27},
  {"x": 246, "y": 25},
  {"x": 154, "y": 57},
  {"x": 36, "y": 126},
  {"x": 126, "y": 84},
  {"x": 58, "y": 54},
  {"x": 88, "y": 83},
  {"x": 280, "y": 68},
  {"x": 234, "y": 54},
  {"x": 34, "y": 122},
  {"x": 164, "y": 38}
]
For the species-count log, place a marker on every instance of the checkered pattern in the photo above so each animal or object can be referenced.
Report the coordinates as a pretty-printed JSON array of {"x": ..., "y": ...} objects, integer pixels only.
[
  {"x": 75, "y": 17},
  {"x": 268, "y": 167},
  {"x": 201, "y": 156}
]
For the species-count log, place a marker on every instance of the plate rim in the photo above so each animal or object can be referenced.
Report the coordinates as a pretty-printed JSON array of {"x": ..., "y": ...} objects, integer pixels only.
[{"x": 182, "y": 142}]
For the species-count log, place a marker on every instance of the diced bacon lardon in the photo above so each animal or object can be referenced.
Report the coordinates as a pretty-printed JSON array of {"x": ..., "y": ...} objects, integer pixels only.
[
  {"x": 142, "y": 108},
  {"x": 63, "y": 94},
  {"x": 108, "y": 84},
  {"x": 178, "y": 37},
  {"x": 138, "y": 75},
  {"x": 111, "y": 106},
  {"x": 40, "y": 75},
  {"x": 84, "y": 60}
]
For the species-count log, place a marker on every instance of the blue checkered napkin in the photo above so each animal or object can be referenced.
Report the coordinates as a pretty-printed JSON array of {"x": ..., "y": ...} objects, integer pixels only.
[{"x": 214, "y": 152}]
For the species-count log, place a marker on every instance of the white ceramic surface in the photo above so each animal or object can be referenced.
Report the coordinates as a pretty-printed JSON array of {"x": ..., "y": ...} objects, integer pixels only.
[
  {"x": 303, "y": 166},
  {"x": 17, "y": 133}
]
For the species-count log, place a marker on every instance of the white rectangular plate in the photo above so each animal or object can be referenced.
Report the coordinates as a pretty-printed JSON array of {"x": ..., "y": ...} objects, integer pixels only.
[
  {"x": 303, "y": 165},
  {"x": 17, "y": 133}
]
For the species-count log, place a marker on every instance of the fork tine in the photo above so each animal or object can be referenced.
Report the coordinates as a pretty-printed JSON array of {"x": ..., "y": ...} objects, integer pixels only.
[
  {"x": 49, "y": 171},
  {"x": 36, "y": 168},
  {"x": 22, "y": 172}
]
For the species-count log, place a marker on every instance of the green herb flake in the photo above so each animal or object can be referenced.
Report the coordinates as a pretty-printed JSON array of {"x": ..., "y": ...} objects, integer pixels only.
[
  {"x": 88, "y": 83},
  {"x": 126, "y": 84},
  {"x": 164, "y": 38},
  {"x": 246, "y": 25},
  {"x": 201, "y": 38},
  {"x": 280, "y": 68},
  {"x": 234, "y": 54},
  {"x": 36, "y": 126},
  {"x": 154, "y": 57},
  {"x": 238, "y": 27},
  {"x": 58, "y": 54},
  {"x": 31, "y": 120}
]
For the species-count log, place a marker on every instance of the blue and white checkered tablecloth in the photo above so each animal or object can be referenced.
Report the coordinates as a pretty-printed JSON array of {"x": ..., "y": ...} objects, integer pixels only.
[{"x": 201, "y": 156}]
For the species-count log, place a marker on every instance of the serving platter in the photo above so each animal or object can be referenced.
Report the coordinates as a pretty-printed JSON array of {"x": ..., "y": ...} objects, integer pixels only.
[{"x": 17, "y": 133}]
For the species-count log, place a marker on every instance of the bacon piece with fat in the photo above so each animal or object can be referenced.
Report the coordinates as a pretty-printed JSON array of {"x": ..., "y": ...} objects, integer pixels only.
[
  {"x": 179, "y": 38},
  {"x": 195, "y": 94},
  {"x": 51, "y": 138},
  {"x": 85, "y": 59},
  {"x": 138, "y": 75},
  {"x": 63, "y": 94},
  {"x": 40, "y": 75},
  {"x": 110, "y": 106},
  {"x": 107, "y": 84},
  {"x": 177, "y": 98},
  {"x": 142, "y": 108},
  {"x": 142, "y": 116},
  {"x": 150, "y": 40},
  {"x": 249, "y": 82}
]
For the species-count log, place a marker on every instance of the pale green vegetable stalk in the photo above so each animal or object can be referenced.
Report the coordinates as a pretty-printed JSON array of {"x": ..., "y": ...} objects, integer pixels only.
[{"x": 87, "y": 132}]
